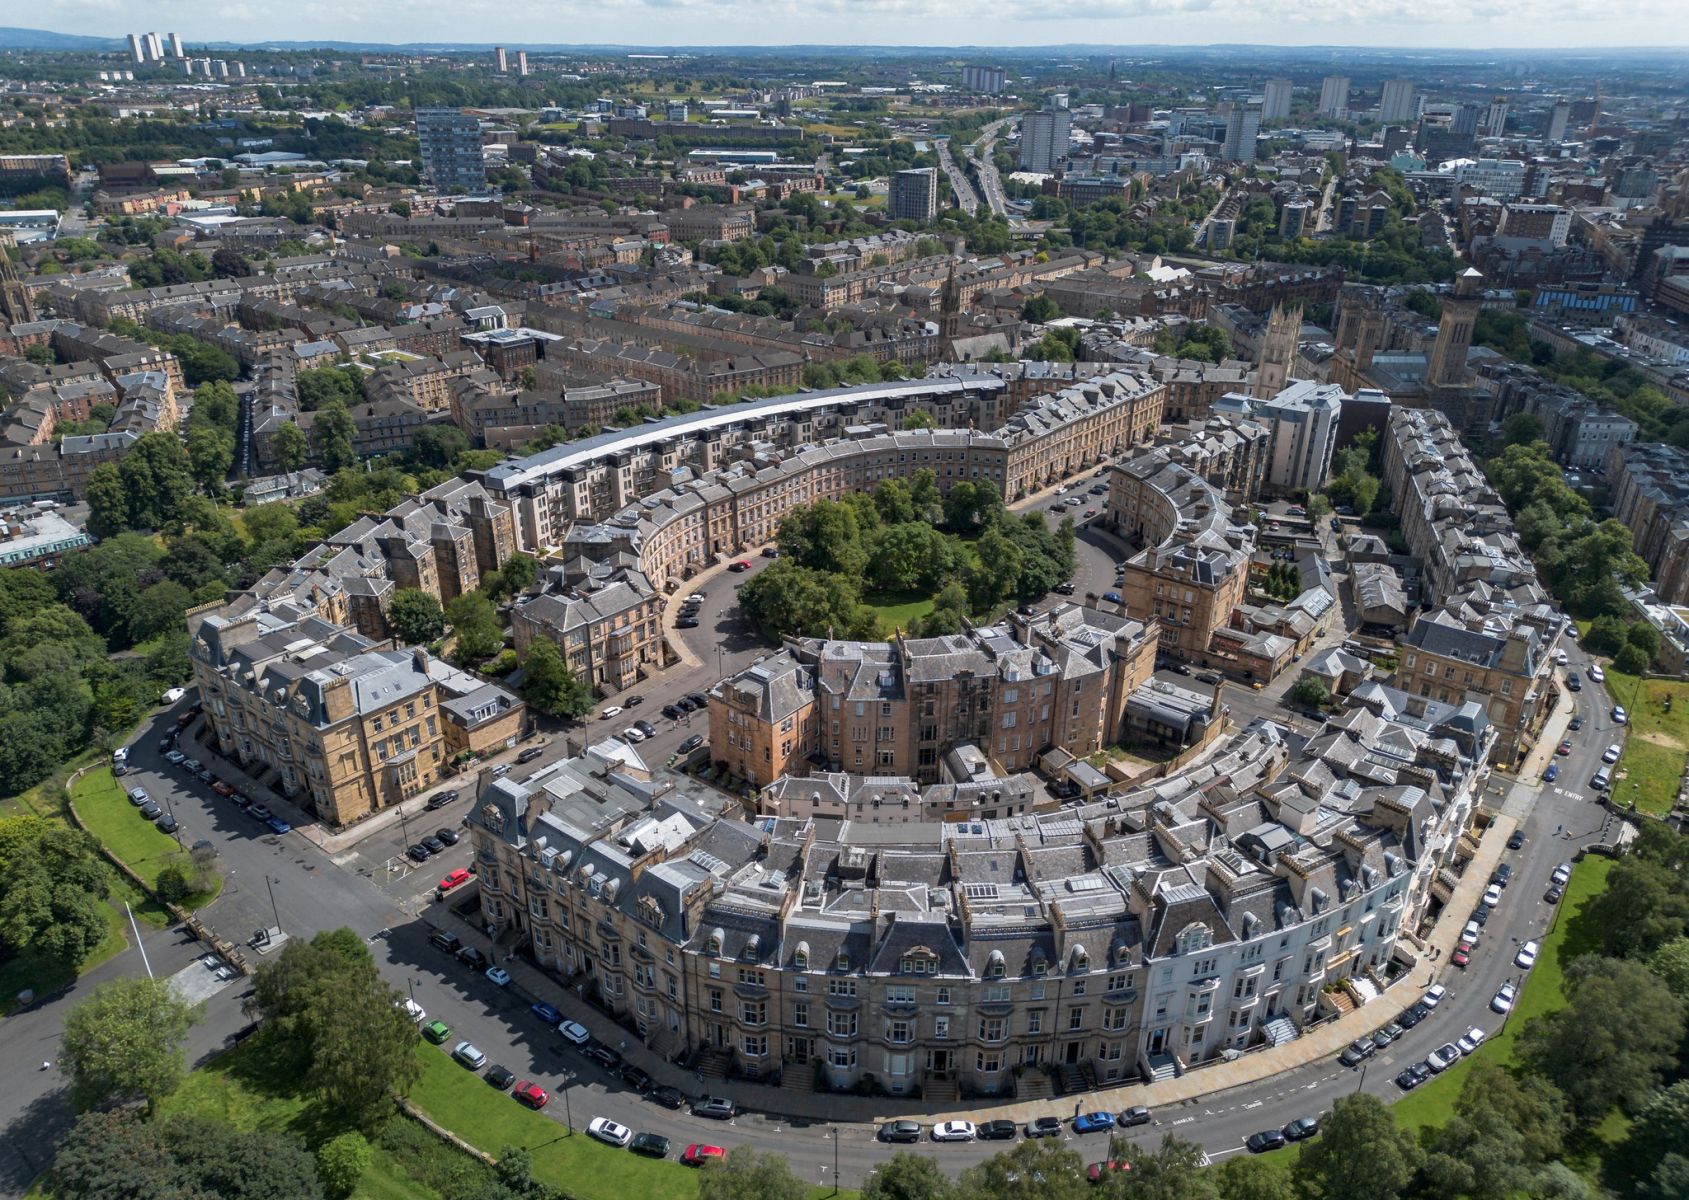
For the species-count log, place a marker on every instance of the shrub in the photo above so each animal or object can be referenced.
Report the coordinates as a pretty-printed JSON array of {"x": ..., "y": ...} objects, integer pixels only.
[{"x": 172, "y": 885}]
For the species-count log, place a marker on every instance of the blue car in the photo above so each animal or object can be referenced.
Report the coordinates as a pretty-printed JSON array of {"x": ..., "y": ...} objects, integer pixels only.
[
  {"x": 1113, "y": 597},
  {"x": 1553, "y": 773},
  {"x": 1095, "y": 1122},
  {"x": 546, "y": 1013},
  {"x": 277, "y": 825}
]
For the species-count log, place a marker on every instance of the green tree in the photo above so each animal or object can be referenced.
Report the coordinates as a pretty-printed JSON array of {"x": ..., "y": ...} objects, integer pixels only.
[
  {"x": 519, "y": 573},
  {"x": 894, "y": 502},
  {"x": 908, "y": 1176},
  {"x": 991, "y": 580},
  {"x": 438, "y": 445},
  {"x": 793, "y": 600},
  {"x": 1646, "y": 901},
  {"x": 318, "y": 387},
  {"x": 1252, "y": 1179},
  {"x": 747, "y": 1174},
  {"x": 1360, "y": 1154},
  {"x": 1528, "y": 1103},
  {"x": 1644, "y": 637},
  {"x": 108, "y": 502},
  {"x": 124, "y": 1042},
  {"x": 476, "y": 624},
  {"x": 156, "y": 479},
  {"x": 1631, "y": 659},
  {"x": 949, "y": 612},
  {"x": 824, "y": 536},
  {"x": 171, "y": 886},
  {"x": 158, "y": 609},
  {"x": 1671, "y": 963},
  {"x": 1033, "y": 1170},
  {"x": 909, "y": 556},
  {"x": 120, "y": 1156},
  {"x": 1309, "y": 691},
  {"x": 1040, "y": 309},
  {"x": 1172, "y": 1171},
  {"x": 549, "y": 685},
  {"x": 336, "y": 437},
  {"x": 1521, "y": 429},
  {"x": 415, "y": 617},
  {"x": 290, "y": 447},
  {"x": 53, "y": 882},
  {"x": 1606, "y": 635},
  {"x": 341, "y": 1163},
  {"x": 211, "y": 453},
  {"x": 1610, "y": 1044},
  {"x": 353, "y": 1067}
]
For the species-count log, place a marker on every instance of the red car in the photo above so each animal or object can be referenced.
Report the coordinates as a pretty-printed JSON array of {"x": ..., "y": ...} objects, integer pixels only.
[
  {"x": 223, "y": 789},
  {"x": 1462, "y": 954},
  {"x": 1098, "y": 1171},
  {"x": 531, "y": 1094},
  {"x": 697, "y": 1154},
  {"x": 1563, "y": 748},
  {"x": 741, "y": 565},
  {"x": 454, "y": 879}
]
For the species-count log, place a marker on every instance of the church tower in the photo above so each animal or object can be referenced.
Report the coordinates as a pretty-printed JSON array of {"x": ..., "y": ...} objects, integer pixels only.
[
  {"x": 1447, "y": 365},
  {"x": 16, "y": 307},
  {"x": 1278, "y": 351}
]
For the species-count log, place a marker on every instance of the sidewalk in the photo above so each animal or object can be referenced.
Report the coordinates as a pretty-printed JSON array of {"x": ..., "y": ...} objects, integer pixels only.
[{"x": 1324, "y": 1042}]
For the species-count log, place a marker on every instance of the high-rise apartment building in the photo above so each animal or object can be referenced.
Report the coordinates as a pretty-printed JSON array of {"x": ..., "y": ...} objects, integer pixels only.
[
  {"x": 137, "y": 49},
  {"x": 452, "y": 157},
  {"x": 1397, "y": 102},
  {"x": 914, "y": 195},
  {"x": 1495, "y": 120},
  {"x": 1243, "y": 126},
  {"x": 176, "y": 46},
  {"x": 1275, "y": 100},
  {"x": 522, "y": 62},
  {"x": 1557, "y": 121},
  {"x": 1044, "y": 138},
  {"x": 155, "y": 48},
  {"x": 1334, "y": 96},
  {"x": 501, "y": 60},
  {"x": 987, "y": 81}
]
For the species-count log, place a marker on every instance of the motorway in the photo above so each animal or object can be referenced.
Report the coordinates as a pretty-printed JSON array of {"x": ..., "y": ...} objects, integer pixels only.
[
  {"x": 370, "y": 889},
  {"x": 980, "y": 152},
  {"x": 966, "y": 198}
]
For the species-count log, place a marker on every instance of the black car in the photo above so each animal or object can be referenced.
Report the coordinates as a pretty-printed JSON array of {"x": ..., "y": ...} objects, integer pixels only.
[
  {"x": 1573, "y": 684},
  {"x": 500, "y": 1077},
  {"x": 715, "y": 1108},
  {"x": 1411, "y": 1077},
  {"x": 633, "y": 701},
  {"x": 1409, "y": 1017},
  {"x": 444, "y": 939},
  {"x": 167, "y": 823},
  {"x": 645, "y": 727},
  {"x": 1267, "y": 1139},
  {"x": 1357, "y": 1052},
  {"x": 603, "y": 1056},
  {"x": 995, "y": 1131},
  {"x": 418, "y": 853},
  {"x": 165, "y": 745},
  {"x": 1385, "y": 1036},
  {"x": 1517, "y": 841},
  {"x": 900, "y": 1131},
  {"x": 435, "y": 845},
  {"x": 150, "y": 810},
  {"x": 440, "y": 801},
  {"x": 470, "y": 957},
  {"x": 699, "y": 700},
  {"x": 1301, "y": 1129},
  {"x": 1044, "y": 1127},
  {"x": 692, "y": 743},
  {"x": 448, "y": 836},
  {"x": 668, "y": 1097},
  {"x": 686, "y": 623},
  {"x": 1481, "y": 914},
  {"x": 1577, "y": 724},
  {"x": 1502, "y": 875},
  {"x": 1064, "y": 588},
  {"x": 530, "y": 754},
  {"x": 635, "y": 1078},
  {"x": 651, "y": 1145},
  {"x": 673, "y": 711},
  {"x": 1553, "y": 894},
  {"x": 684, "y": 704},
  {"x": 1129, "y": 1117}
]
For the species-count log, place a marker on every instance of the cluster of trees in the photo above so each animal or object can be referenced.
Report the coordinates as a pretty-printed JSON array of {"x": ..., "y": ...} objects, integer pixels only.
[
  {"x": 962, "y": 547},
  {"x": 1354, "y": 479},
  {"x": 1284, "y": 581},
  {"x": 859, "y": 368},
  {"x": 1631, "y": 646},
  {"x": 212, "y": 427},
  {"x": 201, "y": 361},
  {"x": 1203, "y": 343},
  {"x": 166, "y": 266},
  {"x": 145, "y": 489},
  {"x": 1108, "y": 224},
  {"x": 319, "y": 387},
  {"x": 53, "y": 885},
  {"x": 1583, "y": 561}
]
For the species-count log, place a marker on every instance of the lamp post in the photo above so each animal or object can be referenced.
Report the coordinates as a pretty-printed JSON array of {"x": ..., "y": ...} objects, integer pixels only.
[
  {"x": 269, "y": 885},
  {"x": 568, "y": 1115}
]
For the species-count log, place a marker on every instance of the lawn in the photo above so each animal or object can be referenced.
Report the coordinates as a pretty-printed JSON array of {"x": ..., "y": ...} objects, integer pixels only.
[
  {"x": 105, "y": 808},
  {"x": 1657, "y": 743},
  {"x": 45, "y": 976},
  {"x": 900, "y": 609},
  {"x": 1544, "y": 990}
]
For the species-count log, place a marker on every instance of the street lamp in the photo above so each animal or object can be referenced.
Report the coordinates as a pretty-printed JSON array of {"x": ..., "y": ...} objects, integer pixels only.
[
  {"x": 274, "y": 911},
  {"x": 568, "y": 1116}
]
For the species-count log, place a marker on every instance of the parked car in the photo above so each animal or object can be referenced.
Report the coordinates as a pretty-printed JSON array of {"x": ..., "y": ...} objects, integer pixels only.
[
  {"x": 1462, "y": 954},
  {"x": 742, "y": 565},
  {"x": 444, "y": 939},
  {"x": 150, "y": 810},
  {"x": 436, "y": 1031},
  {"x": 574, "y": 1033},
  {"x": 1383, "y": 1037},
  {"x": 1137, "y": 1115},
  {"x": 1527, "y": 956},
  {"x": 699, "y": 700},
  {"x": 636, "y": 1077},
  {"x": 1099, "y": 1171},
  {"x": 1357, "y": 1052},
  {"x": 1576, "y": 724},
  {"x": 631, "y": 736},
  {"x": 1267, "y": 1139},
  {"x": 277, "y": 825},
  {"x": 1471, "y": 931},
  {"x": 1112, "y": 597},
  {"x": 175, "y": 757},
  {"x": 615, "y": 710},
  {"x": 1563, "y": 749},
  {"x": 469, "y": 1055},
  {"x": 1042, "y": 1127},
  {"x": 434, "y": 844},
  {"x": 1443, "y": 1057},
  {"x": 645, "y": 727},
  {"x": 530, "y": 754},
  {"x": 1596, "y": 673},
  {"x": 603, "y": 1056},
  {"x": 450, "y": 880},
  {"x": 698, "y": 1154},
  {"x": 1611, "y": 754},
  {"x": 1492, "y": 895},
  {"x": 672, "y": 711},
  {"x": 1093, "y": 1122},
  {"x": 900, "y": 1131},
  {"x": 166, "y": 824},
  {"x": 651, "y": 1145},
  {"x": 691, "y": 743},
  {"x": 954, "y": 1131},
  {"x": 498, "y": 975},
  {"x": 440, "y": 800},
  {"x": 259, "y": 813},
  {"x": 450, "y": 837},
  {"x": 1412, "y": 1076},
  {"x": 472, "y": 958},
  {"x": 1562, "y": 874},
  {"x": 545, "y": 1012},
  {"x": 715, "y": 1108},
  {"x": 1502, "y": 875},
  {"x": 1554, "y": 893},
  {"x": 1411, "y": 1016},
  {"x": 608, "y": 1132},
  {"x": 1433, "y": 995},
  {"x": 1619, "y": 714},
  {"x": 633, "y": 701},
  {"x": 1301, "y": 1129},
  {"x": 1469, "y": 1041},
  {"x": 686, "y": 623},
  {"x": 1552, "y": 773},
  {"x": 1517, "y": 841},
  {"x": 668, "y": 1097},
  {"x": 1502, "y": 1001},
  {"x": 530, "y": 1093},
  {"x": 499, "y": 1077}
]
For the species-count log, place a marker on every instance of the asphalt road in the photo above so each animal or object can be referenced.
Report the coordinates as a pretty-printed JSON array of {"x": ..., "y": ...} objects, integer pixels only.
[{"x": 311, "y": 891}]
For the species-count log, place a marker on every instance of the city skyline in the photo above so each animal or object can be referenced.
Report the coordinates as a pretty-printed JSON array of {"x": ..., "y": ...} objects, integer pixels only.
[{"x": 1570, "y": 25}]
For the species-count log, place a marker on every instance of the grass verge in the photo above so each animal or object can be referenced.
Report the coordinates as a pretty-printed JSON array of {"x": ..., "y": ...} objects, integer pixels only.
[
  {"x": 1658, "y": 741},
  {"x": 106, "y": 809},
  {"x": 1544, "y": 991}
]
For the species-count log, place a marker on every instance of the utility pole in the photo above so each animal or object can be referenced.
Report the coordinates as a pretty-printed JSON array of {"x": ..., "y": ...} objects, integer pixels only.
[{"x": 269, "y": 885}]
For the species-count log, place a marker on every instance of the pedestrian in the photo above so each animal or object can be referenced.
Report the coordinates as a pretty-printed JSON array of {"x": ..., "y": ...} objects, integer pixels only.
[
  {"x": 1558, "y": 828},
  {"x": 46, "y": 1066}
]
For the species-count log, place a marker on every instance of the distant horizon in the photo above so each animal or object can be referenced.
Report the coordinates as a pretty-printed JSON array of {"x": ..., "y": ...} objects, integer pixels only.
[{"x": 1121, "y": 27}]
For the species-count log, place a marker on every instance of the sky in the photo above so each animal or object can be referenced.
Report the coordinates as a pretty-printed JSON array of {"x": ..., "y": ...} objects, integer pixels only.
[{"x": 1407, "y": 23}]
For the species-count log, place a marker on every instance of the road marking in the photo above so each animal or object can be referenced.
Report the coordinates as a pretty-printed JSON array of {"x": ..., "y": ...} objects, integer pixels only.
[
  {"x": 1213, "y": 1154},
  {"x": 1255, "y": 1104}
]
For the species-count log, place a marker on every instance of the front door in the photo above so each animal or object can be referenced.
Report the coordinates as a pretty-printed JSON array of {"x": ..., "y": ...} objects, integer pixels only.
[
  {"x": 938, "y": 1063},
  {"x": 1157, "y": 1041},
  {"x": 1073, "y": 1049}
]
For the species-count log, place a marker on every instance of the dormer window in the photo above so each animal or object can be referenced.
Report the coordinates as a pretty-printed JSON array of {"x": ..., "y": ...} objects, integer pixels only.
[
  {"x": 995, "y": 967},
  {"x": 842, "y": 962},
  {"x": 800, "y": 958},
  {"x": 712, "y": 944},
  {"x": 1081, "y": 960}
]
